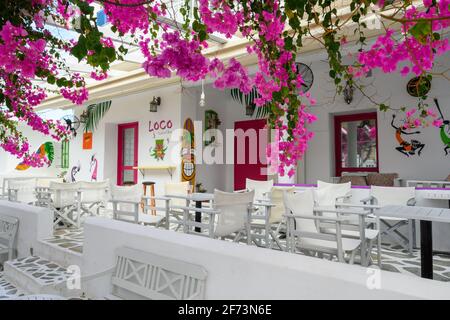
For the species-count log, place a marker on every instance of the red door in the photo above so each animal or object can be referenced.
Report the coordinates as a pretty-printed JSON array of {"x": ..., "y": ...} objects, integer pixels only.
[
  {"x": 127, "y": 153},
  {"x": 250, "y": 142}
]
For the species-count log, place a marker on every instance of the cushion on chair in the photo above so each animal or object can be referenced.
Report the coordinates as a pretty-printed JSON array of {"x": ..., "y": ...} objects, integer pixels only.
[
  {"x": 381, "y": 179},
  {"x": 354, "y": 180}
]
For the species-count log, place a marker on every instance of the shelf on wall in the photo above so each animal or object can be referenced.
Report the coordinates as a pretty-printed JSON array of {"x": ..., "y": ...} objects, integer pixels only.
[{"x": 142, "y": 169}]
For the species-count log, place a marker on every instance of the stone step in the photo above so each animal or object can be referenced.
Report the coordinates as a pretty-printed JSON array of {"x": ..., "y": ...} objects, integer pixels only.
[
  {"x": 8, "y": 290},
  {"x": 53, "y": 252},
  {"x": 36, "y": 275}
]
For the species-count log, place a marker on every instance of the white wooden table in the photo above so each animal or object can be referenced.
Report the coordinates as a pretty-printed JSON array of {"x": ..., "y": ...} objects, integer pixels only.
[{"x": 426, "y": 215}]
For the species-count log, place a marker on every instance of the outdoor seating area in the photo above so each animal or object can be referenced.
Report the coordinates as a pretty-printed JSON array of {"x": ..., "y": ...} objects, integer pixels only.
[
  {"x": 325, "y": 222},
  {"x": 223, "y": 150}
]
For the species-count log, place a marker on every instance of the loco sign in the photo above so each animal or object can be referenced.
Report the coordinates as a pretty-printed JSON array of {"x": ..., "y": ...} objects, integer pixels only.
[{"x": 159, "y": 125}]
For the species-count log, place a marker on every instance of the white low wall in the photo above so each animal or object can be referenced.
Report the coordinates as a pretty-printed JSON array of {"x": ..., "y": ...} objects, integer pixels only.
[
  {"x": 35, "y": 223},
  {"x": 237, "y": 271}
]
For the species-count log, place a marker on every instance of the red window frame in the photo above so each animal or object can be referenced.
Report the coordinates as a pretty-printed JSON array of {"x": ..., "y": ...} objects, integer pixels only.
[
  {"x": 338, "y": 119},
  {"x": 120, "y": 168}
]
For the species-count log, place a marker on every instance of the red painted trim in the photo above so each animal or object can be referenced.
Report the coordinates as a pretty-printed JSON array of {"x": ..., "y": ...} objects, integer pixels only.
[
  {"x": 120, "y": 129},
  {"x": 338, "y": 119}
]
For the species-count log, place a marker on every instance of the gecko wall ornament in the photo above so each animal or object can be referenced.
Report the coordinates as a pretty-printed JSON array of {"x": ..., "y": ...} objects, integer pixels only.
[
  {"x": 444, "y": 133},
  {"x": 159, "y": 151},
  {"x": 407, "y": 148}
]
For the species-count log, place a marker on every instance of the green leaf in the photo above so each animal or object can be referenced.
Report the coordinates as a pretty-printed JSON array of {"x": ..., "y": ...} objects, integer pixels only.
[
  {"x": 95, "y": 113},
  {"x": 79, "y": 51},
  {"x": 421, "y": 29}
]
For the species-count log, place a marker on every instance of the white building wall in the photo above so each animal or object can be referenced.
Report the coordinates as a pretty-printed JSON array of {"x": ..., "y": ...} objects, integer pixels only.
[
  {"x": 390, "y": 89},
  {"x": 181, "y": 101},
  {"x": 127, "y": 109}
]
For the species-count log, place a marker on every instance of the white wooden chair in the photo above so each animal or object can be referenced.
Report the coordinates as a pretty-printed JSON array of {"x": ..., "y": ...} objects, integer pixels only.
[
  {"x": 94, "y": 196},
  {"x": 383, "y": 196},
  {"x": 262, "y": 188},
  {"x": 335, "y": 195},
  {"x": 179, "y": 189},
  {"x": 126, "y": 202},
  {"x": 234, "y": 215},
  {"x": 273, "y": 221},
  {"x": 328, "y": 194},
  {"x": 229, "y": 217},
  {"x": 22, "y": 190},
  {"x": 8, "y": 234},
  {"x": 303, "y": 235},
  {"x": 64, "y": 200},
  {"x": 277, "y": 221}
]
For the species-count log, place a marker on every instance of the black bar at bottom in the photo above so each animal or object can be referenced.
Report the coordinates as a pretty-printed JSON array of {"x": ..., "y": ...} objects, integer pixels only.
[
  {"x": 426, "y": 249},
  {"x": 198, "y": 215}
]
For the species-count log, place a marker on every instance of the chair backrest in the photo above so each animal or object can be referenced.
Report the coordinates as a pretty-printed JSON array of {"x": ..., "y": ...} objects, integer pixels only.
[
  {"x": 45, "y": 182},
  {"x": 126, "y": 211},
  {"x": 94, "y": 192},
  {"x": 25, "y": 190},
  {"x": 64, "y": 194},
  {"x": 261, "y": 187},
  {"x": 392, "y": 195},
  {"x": 301, "y": 203},
  {"x": 177, "y": 188},
  {"x": 233, "y": 211},
  {"x": 327, "y": 193},
  {"x": 144, "y": 275},
  {"x": 276, "y": 198},
  {"x": 8, "y": 231}
]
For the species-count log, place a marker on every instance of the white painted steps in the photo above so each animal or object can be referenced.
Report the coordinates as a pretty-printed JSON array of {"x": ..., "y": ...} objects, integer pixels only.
[
  {"x": 36, "y": 275},
  {"x": 8, "y": 290}
]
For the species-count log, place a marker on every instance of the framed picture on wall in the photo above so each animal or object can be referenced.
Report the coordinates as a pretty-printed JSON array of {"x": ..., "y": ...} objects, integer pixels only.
[
  {"x": 212, "y": 122},
  {"x": 87, "y": 141}
]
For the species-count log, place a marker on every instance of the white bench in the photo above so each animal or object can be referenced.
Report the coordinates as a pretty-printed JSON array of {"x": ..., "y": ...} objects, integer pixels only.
[
  {"x": 143, "y": 275},
  {"x": 8, "y": 235}
]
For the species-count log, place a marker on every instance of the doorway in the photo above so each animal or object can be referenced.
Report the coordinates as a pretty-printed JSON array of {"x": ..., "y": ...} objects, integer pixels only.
[
  {"x": 127, "y": 153},
  {"x": 250, "y": 142}
]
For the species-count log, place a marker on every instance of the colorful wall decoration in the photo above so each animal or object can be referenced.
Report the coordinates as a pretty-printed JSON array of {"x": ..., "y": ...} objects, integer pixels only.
[
  {"x": 444, "y": 129},
  {"x": 212, "y": 122},
  {"x": 188, "y": 153},
  {"x": 94, "y": 168},
  {"x": 159, "y": 151},
  {"x": 408, "y": 148},
  {"x": 74, "y": 171},
  {"x": 87, "y": 141},
  {"x": 46, "y": 150}
]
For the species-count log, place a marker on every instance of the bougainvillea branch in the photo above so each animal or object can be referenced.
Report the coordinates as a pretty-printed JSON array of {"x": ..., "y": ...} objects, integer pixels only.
[{"x": 276, "y": 31}]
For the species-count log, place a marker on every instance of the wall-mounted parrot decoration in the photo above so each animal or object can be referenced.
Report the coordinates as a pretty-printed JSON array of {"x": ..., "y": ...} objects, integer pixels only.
[
  {"x": 74, "y": 171},
  {"x": 444, "y": 129},
  {"x": 45, "y": 150},
  {"x": 407, "y": 148},
  {"x": 94, "y": 167}
]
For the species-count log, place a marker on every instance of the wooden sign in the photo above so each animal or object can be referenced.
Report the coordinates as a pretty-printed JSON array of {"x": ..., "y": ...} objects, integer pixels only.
[
  {"x": 188, "y": 153},
  {"x": 87, "y": 141}
]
